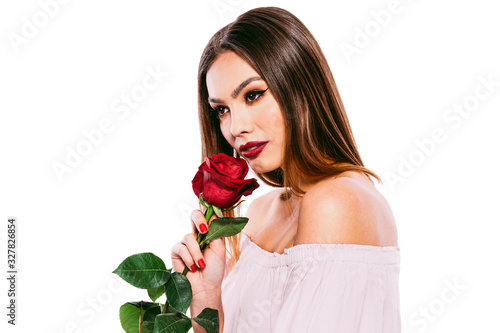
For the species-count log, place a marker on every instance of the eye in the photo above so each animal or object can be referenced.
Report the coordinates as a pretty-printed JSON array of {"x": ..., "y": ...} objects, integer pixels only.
[
  {"x": 218, "y": 112},
  {"x": 254, "y": 95},
  {"x": 250, "y": 97}
]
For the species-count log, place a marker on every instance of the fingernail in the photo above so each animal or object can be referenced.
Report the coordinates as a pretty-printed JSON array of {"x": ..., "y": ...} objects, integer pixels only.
[
  {"x": 193, "y": 268},
  {"x": 203, "y": 228},
  {"x": 201, "y": 263}
]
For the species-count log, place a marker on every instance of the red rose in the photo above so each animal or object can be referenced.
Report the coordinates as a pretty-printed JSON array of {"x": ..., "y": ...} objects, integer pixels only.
[{"x": 221, "y": 181}]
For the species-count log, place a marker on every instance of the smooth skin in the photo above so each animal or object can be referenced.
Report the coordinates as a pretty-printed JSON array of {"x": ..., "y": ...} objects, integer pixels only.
[{"x": 343, "y": 209}]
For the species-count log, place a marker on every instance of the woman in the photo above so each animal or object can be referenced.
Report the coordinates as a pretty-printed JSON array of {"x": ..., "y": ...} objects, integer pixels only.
[{"x": 320, "y": 253}]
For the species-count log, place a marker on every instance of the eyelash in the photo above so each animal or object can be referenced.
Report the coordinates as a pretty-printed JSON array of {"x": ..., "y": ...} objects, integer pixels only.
[{"x": 215, "y": 112}]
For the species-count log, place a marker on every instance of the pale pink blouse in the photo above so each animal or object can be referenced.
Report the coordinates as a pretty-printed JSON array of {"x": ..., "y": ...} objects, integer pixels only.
[{"x": 313, "y": 288}]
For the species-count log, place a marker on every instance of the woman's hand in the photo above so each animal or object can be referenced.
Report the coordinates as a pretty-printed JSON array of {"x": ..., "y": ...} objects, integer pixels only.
[{"x": 205, "y": 280}]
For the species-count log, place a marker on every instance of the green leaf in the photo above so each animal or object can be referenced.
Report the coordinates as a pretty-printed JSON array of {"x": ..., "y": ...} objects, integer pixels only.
[
  {"x": 178, "y": 292},
  {"x": 151, "y": 313},
  {"x": 131, "y": 315},
  {"x": 225, "y": 227},
  {"x": 217, "y": 211},
  {"x": 148, "y": 319},
  {"x": 143, "y": 305},
  {"x": 209, "y": 320},
  {"x": 155, "y": 293},
  {"x": 143, "y": 270},
  {"x": 130, "y": 318},
  {"x": 148, "y": 326},
  {"x": 202, "y": 202},
  {"x": 171, "y": 309},
  {"x": 172, "y": 323}
]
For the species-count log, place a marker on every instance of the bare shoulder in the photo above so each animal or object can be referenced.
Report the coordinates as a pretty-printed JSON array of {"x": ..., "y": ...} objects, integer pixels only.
[{"x": 346, "y": 210}]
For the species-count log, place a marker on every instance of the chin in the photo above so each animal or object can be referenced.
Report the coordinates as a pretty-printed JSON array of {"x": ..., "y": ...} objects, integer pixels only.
[{"x": 260, "y": 166}]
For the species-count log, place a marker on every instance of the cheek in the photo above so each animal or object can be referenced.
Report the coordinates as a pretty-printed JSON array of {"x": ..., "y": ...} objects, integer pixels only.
[
  {"x": 274, "y": 117},
  {"x": 276, "y": 123},
  {"x": 226, "y": 132}
]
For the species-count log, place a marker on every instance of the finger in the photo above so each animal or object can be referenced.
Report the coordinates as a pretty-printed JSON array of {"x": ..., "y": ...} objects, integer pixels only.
[
  {"x": 194, "y": 250},
  {"x": 218, "y": 246},
  {"x": 177, "y": 261},
  {"x": 198, "y": 219},
  {"x": 181, "y": 258}
]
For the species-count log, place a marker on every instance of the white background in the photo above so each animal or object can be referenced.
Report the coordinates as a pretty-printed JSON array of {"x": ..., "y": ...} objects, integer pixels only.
[{"x": 132, "y": 192}]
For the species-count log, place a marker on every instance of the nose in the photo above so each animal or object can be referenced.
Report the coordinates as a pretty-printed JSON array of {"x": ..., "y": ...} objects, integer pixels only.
[{"x": 241, "y": 121}]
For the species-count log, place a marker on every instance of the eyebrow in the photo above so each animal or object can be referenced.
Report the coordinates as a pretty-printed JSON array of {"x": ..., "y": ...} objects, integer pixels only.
[{"x": 238, "y": 89}]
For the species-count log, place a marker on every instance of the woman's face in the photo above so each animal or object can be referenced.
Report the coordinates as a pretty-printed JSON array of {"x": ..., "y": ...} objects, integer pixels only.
[{"x": 250, "y": 118}]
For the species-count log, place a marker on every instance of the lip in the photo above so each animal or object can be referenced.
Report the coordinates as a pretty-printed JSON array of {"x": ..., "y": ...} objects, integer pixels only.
[{"x": 260, "y": 145}]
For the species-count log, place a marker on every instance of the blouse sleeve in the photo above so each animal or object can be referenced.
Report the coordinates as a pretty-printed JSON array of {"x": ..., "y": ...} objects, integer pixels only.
[
  {"x": 313, "y": 288},
  {"x": 350, "y": 288}
]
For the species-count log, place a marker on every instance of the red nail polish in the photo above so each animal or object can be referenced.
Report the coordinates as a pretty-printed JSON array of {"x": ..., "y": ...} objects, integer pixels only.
[
  {"x": 193, "y": 268},
  {"x": 201, "y": 263},
  {"x": 203, "y": 228}
]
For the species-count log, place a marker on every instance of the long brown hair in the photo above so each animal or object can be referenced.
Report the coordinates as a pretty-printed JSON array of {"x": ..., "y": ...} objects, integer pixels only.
[{"x": 319, "y": 139}]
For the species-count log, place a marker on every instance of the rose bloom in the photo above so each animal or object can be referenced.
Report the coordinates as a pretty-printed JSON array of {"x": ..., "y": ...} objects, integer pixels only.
[{"x": 221, "y": 180}]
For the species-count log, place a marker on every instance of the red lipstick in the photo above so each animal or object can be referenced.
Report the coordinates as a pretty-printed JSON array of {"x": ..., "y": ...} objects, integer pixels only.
[{"x": 253, "y": 148}]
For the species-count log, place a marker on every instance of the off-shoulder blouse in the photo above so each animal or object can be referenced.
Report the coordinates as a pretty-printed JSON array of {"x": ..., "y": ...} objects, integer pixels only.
[{"x": 313, "y": 288}]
